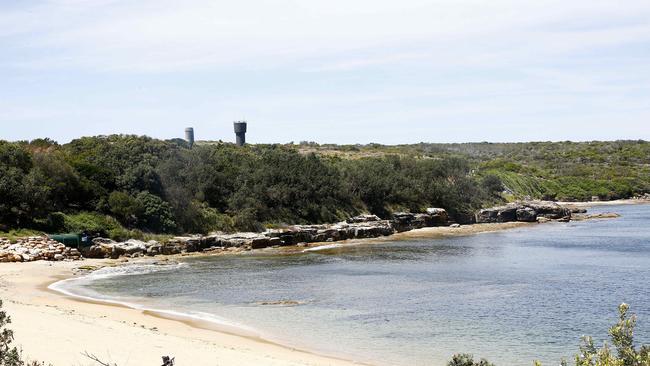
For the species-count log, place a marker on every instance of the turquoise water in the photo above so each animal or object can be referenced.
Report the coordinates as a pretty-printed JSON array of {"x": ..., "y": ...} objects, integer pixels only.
[{"x": 510, "y": 296}]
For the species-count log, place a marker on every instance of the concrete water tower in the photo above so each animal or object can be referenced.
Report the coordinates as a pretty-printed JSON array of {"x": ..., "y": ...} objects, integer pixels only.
[
  {"x": 189, "y": 136},
  {"x": 240, "y": 132}
]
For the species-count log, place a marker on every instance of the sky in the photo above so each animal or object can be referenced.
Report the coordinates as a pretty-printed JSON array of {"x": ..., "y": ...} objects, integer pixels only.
[{"x": 330, "y": 71}]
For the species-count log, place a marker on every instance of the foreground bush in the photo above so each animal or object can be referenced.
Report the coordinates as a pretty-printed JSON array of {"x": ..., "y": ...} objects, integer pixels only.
[
  {"x": 622, "y": 337},
  {"x": 467, "y": 360},
  {"x": 10, "y": 356}
]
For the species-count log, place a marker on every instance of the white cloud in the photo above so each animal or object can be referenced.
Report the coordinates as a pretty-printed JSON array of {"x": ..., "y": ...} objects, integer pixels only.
[
  {"x": 164, "y": 35},
  {"x": 315, "y": 67}
]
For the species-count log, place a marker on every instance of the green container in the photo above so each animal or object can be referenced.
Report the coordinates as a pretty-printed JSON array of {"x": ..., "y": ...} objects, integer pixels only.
[{"x": 70, "y": 240}]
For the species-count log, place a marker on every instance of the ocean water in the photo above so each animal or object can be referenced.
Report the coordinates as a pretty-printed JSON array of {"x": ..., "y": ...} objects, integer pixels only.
[{"x": 511, "y": 296}]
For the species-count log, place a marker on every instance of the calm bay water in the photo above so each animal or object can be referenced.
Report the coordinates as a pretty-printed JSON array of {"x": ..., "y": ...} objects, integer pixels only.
[{"x": 510, "y": 296}]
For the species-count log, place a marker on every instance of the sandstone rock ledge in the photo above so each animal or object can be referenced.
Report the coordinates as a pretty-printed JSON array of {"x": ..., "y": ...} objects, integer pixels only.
[
  {"x": 36, "y": 248},
  {"x": 358, "y": 227},
  {"x": 525, "y": 211}
]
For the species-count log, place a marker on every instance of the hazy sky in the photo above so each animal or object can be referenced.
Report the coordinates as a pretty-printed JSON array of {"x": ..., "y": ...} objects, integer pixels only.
[{"x": 342, "y": 71}]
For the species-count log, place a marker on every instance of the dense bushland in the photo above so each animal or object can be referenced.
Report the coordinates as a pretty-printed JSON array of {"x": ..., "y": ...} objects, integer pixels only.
[
  {"x": 122, "y": 185},
  {"x": 553, "y": 170}
]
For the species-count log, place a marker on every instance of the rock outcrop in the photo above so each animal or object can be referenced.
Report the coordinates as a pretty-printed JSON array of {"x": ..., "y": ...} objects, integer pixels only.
[
  {"x": 643, "y": 197},
  {"x": 36, "y": 248},
  {"x": 405, "y": 221},
  {"x": 600, "y": 215},
  {"x": 526, "y": 211},
  {"x": 358, "y": 227}
]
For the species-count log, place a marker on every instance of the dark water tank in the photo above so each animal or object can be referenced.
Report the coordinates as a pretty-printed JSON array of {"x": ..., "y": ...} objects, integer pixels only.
[
  {"x": 189, "y": 136},
  {"x": 240, "y": 132}
]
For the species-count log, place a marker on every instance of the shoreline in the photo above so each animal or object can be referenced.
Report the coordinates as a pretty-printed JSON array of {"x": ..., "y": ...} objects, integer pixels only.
[
  {"x": 111, "y": 328},
  {"x": 57, "y": 328},
  {"x": 623, "y": 201}
]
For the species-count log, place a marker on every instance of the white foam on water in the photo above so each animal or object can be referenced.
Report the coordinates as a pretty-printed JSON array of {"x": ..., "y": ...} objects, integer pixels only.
[
  {"x": 323, "y": 247},
  {"x": 73, "y": 287}
]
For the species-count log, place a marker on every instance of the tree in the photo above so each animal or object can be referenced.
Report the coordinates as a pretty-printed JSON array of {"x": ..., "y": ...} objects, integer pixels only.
[
  {"x": 492, "y": 184},
  {"x": 15, "y": 164},
  {"x": 125, "y": 208},
  {"x": 156, "y": 214}
]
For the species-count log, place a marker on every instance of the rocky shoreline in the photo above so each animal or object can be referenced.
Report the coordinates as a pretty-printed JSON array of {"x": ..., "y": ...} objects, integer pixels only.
[
  {"x": 358, "y": 227},
  {"x": 35, "y": 248},
  {"x": 527, "y": 211}
]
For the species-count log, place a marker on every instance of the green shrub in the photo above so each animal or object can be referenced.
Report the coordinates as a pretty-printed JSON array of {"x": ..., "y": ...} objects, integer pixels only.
[
  {"x": 492, "y": 184},
  {"x": 165, "y": 187},
  {"x": 246, "y": 220},
  {"x": 120, "y": 234},
  {"x": 212, "y": 220},
  {"x": 467, "y": 360},
  {"x": 156, "y": 214},
  {"x": 91, "y": 222}
]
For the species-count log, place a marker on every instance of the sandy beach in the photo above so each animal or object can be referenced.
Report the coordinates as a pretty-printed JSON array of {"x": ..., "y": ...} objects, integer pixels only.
[{"x": 56, "y": 328}]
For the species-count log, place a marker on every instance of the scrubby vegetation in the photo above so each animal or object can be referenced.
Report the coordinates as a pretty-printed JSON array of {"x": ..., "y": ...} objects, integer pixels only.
[
  {"x": 622, "y": 337},
  {"x": 554, "y": 170},
  {"x": 130, "y": 186}
]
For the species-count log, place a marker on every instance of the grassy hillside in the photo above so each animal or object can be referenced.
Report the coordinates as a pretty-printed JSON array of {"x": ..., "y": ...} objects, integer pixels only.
[{"x": 553, "y": 170}]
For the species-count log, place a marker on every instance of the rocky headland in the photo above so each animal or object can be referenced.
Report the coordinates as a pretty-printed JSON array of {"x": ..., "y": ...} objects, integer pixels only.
[{"x": 358, "y": 227}]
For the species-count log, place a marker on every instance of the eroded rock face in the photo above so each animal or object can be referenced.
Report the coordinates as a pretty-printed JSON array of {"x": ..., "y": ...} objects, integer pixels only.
[
  {"x": 507, "y": 214},
  {"x": 362, "y": 218},
  {"x": 487, "y": 215},
  {"x": 549, "y": 210},
  {"x": 129, "y": 248},
  {"x": 402, "y": 221},
  {"x": 526, "y": 211},
  {"x": 526, "y": 214},
  {"x": 437, "y": 216},
  {"x": 362, "y": 226}
]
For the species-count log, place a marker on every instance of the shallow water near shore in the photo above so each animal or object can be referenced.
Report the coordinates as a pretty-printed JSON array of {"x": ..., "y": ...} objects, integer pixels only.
[{"x": 511, "y": 296}]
